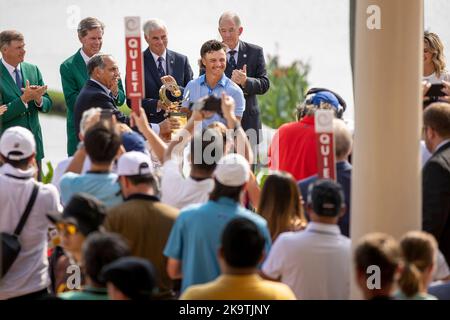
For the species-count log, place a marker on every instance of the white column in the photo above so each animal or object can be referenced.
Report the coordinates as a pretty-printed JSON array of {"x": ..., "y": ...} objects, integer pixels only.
[{"x": 386, "y": 181}]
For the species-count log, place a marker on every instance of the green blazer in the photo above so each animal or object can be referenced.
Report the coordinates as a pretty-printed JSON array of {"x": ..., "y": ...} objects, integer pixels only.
[
  {"x": 18, "y": 114},
  {"x": 73, "y": 77}
]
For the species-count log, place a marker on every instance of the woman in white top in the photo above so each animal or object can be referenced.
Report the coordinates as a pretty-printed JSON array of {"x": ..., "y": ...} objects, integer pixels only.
[
  {"x": 433, "y": 59},
  {"x": 434, "y": 72}
]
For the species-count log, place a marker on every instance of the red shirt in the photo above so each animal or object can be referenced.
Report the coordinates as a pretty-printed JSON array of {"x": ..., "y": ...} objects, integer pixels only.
[{"x": 293, "y": 149}]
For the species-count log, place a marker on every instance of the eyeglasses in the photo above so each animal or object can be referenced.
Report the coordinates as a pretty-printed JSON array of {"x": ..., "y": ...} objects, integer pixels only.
[{"x": 68, "y": 228}]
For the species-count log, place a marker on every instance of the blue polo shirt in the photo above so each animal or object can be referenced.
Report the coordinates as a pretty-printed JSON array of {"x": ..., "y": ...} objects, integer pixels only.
[
  {"x": 104, "y": 186},
  {"x": 198, "y": 88},
  {"x": 196, "y": 237}
]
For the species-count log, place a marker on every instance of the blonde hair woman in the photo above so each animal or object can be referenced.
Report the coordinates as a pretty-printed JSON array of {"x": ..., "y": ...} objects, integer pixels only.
[{"x": 434, "y": 67}]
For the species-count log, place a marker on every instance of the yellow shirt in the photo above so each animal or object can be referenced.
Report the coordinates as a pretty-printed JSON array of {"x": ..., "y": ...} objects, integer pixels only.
[{"x": 239, "y": 287}]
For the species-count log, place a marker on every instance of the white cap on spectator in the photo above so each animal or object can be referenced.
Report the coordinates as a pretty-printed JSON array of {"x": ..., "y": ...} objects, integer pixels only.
[
  {"x": 232, "y": 170},
  {"x": 17, "y": 143},
  {"x": 134, "y": 163}
]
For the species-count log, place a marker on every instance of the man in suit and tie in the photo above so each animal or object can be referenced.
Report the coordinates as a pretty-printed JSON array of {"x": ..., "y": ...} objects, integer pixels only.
[
  {"x": 22, "y": 90},
  {"x": 74, "y": 73},
  {"x": 436, "y": 175},
  {"x": 247, "y": 68},
  {"x": 97, "y": 92},
  {"x": 158, "y": 62}
]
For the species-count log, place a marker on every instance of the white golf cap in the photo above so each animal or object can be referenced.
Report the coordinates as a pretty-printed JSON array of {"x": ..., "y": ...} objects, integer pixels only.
[
  {"x": 232, "y": 170},
  {"x": 134, "y": 163},
  {"x": 17, "y": 143}
]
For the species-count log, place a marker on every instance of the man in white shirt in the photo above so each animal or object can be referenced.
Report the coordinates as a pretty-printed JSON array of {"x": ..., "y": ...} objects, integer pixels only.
[
  {"x": 315, "y": 263},
  {"x": 28, "y": 275}
]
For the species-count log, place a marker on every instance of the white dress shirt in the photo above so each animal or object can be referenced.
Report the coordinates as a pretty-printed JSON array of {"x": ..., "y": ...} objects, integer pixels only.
[
  {"x": 85, "y": 56},
  {"x": 155, "y": 57},
  {"x": 236, "y": 54}
]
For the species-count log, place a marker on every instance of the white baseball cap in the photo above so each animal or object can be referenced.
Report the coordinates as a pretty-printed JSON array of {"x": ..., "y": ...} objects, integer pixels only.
[
  {"x": 134, "y": 163},
  {"x": 17, "y": 143},
  {"x": 232, "y": 170}
]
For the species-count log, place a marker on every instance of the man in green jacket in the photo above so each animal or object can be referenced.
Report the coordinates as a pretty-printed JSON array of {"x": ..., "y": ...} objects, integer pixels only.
[
  {"x": 74, "y": 73},
  {"x": 22, "y": 90}
]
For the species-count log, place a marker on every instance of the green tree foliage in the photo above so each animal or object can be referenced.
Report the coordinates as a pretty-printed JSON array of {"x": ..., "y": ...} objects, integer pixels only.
[{"x": 288, "y": 86}]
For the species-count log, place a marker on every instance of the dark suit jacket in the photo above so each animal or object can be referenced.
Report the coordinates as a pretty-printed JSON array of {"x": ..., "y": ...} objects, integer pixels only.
[
  {"x": 344, "y": 176},
  {"x": 94, "y": 96},
  {"x": 436, "y": 198},
  {"x": 177, "y": 65},
  {"x": 257, "y": 82},
  {"x": 73, "y": 77}
]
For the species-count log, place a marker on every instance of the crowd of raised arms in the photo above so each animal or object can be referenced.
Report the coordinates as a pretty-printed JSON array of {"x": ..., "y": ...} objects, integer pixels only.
[{"x": 162, "y": 202}]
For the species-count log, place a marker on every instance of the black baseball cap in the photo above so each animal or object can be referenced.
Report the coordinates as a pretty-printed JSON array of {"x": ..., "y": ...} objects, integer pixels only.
[
  {"x": 326, "y": 197},
  {"x": 134, "y": 277},
  {"x": 83, "y": 210}
]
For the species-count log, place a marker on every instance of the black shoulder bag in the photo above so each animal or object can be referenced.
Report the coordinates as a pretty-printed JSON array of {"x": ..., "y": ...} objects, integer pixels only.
[{"x": 10, "y": 242}]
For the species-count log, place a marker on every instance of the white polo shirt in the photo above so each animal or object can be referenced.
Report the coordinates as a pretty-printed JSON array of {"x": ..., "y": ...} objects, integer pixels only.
[
  {"x": 178, "y": 191},
  {"x": 314, "y": 263},
  {"x": 29, "y": 273}
]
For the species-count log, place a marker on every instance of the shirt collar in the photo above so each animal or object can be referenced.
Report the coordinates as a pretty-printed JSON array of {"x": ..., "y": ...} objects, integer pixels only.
[
  {"x": 103, "y": 86},
  {"x": 323, "y": 228},
  {"x": 441, "y": 144},
  {"x": 155, "y": 56},
  {"x": 239, "y": 278},
  {"x": 10, "y": 170},
  {"x": 343, "y": 165},
  {"x": 235, "y": 49},
  {"x": 84, "y": 56},
  {"x": 227, "y": 201},
  {"x": 142, "y": 196},
  {"x": 222, "y": 82},
  {"x": 9, "y": 67}
]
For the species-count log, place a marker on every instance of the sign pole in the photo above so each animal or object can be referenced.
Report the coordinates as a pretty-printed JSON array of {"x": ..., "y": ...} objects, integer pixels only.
[
  {"x": 326, "y": 163},
  {"x": 134, "y": 72}
]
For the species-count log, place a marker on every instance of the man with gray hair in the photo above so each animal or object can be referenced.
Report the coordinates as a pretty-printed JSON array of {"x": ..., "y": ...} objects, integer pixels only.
[
  {"x": 22, "y": 90},
  {"x": 343, "y": 142},
  {"x": 98, "y": 90},
  {"x": 159, "y": 62},
  {"x": 247, "y": 68},
  {"x": 74, "y": 73}
]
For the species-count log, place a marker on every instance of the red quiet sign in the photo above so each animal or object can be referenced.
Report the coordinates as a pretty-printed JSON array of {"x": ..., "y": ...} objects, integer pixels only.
[
  {"x": 134, "y": 72},
  {"x": 325, "y": 144}
]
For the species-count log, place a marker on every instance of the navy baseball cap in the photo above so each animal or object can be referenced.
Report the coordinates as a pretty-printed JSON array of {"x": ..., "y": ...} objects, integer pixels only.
[
  {"x": 133, "y": 141},
  {"x": 326, "y": 197}
]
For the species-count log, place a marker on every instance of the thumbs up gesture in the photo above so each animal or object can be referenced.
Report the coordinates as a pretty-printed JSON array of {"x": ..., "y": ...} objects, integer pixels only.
[{"x": 240, "y": 76}]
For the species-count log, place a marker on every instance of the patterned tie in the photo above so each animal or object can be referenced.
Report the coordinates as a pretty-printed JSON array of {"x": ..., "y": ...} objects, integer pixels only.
[
  {"x": 160, "y": 67},
  {"x": 231, "y": 61},
  {"x": 19, "y": 82}
]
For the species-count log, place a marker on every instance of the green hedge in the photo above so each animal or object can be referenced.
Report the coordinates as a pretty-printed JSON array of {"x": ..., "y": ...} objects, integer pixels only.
[
  {"x": 288, "y": 85},
  {"x": 59, "y": 104}
]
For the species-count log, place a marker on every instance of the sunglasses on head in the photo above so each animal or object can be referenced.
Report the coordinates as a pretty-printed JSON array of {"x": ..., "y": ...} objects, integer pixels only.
[{"x": 68, "y": 228}]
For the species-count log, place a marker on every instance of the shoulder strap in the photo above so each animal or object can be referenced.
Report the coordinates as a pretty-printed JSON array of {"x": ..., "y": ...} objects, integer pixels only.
[{"x": 27, "y": 211}]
